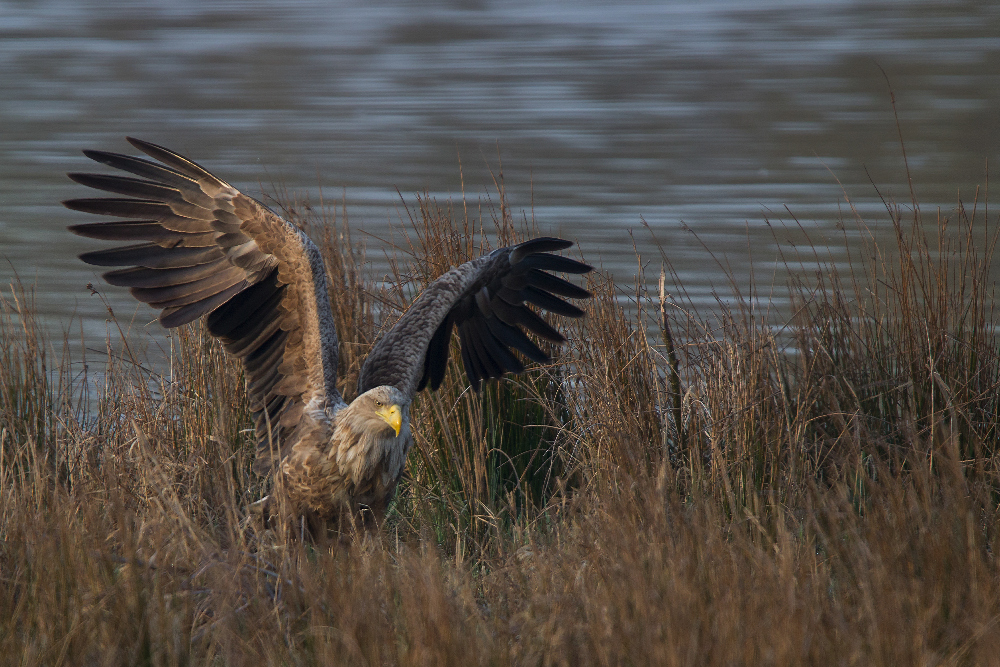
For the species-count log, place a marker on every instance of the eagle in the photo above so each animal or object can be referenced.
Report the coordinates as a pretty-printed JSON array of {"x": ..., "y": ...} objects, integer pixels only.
[{"x": 207, "y": 251}]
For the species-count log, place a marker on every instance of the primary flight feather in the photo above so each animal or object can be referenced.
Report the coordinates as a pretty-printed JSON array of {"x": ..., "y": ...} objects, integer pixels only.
[{"x": 208, "y": 251}]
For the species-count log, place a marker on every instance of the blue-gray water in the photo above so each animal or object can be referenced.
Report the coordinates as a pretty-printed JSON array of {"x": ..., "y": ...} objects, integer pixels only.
[{"x": 710, "y": 114}]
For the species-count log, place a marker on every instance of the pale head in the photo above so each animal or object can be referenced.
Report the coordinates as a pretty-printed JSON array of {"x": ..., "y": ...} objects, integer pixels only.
[{"x": 386, "y": 409}]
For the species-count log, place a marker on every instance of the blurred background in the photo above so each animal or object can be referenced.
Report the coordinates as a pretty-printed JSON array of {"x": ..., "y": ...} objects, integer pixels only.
[{"x": 711, "y": 116}]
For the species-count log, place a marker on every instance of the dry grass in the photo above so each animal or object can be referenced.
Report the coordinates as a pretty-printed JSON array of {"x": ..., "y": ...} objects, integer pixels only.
[{"x": 680, "y": 488}]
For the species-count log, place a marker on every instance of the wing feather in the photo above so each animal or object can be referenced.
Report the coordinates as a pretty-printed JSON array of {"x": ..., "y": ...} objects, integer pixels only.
[
  {"x": 486, "y": 301},
  {"x": 488, "y": 367},
  {"x": 146, "y": 169},
  {"x": 152, "y": 256},
  {"x": 250, "y": 335},
  {"x": 555, "y": 285},
  {"x": 140, "y": 276},
  {"x": 546, "y": 262},
  {"x": 551, "y": 303},
  {"x": 175, "y": 316},
  {"x": 517, "y": 339},
  {"x": 149, "y": 230},
  {"x": 144, "y": 189},
  {"x": 505, "y": 359},
  {"x": 472, "y": 370},
  {"x": 255, "y": 305},
  {"x": 181, "y": 294},
  {"x": 437, "y": 355},
  {"x": 208, "y": 250}
]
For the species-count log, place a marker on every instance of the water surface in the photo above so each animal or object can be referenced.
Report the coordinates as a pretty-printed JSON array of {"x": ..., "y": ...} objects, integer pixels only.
[{"x": 709, "y": 116}]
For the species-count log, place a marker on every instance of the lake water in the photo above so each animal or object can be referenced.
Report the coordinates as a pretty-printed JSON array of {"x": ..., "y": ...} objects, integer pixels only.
[{"x": 704, "y": 115}]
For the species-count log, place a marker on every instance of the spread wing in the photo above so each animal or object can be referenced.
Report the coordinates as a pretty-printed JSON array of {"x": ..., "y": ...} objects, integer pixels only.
[
  {"x": 205, "y": 249},
  {"x": 486, "y": 301}
]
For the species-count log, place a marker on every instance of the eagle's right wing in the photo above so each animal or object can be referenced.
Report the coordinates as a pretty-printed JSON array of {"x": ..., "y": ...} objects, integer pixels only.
[{"x": 209, "y": 250}]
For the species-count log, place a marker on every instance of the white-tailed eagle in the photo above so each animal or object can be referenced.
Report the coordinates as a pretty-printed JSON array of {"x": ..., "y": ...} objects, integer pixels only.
[{"x": 205, "y": 250}]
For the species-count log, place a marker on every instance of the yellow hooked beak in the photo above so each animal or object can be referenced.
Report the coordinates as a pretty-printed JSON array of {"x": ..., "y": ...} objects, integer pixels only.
[{"x": 392, "y": 415}]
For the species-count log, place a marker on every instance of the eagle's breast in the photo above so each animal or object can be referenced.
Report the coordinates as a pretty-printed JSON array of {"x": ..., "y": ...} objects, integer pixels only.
[
  {"x": 370, "y": 456},
  {"x": 348, "y": 461}
]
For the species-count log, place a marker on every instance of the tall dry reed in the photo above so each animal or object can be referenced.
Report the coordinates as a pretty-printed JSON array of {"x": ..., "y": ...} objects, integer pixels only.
[{"x": 678, "y": 487}]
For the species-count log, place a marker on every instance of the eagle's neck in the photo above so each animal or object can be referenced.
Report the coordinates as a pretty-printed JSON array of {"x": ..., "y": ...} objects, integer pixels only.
[{"x": 366, "y": 451}]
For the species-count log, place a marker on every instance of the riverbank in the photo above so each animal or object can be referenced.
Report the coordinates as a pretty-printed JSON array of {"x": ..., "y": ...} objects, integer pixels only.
[{"x": 680, "y": 487}]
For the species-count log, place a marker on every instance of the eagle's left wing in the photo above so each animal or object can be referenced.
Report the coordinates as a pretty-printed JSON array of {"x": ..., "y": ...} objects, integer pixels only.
[{"x": 486, "y": 300}]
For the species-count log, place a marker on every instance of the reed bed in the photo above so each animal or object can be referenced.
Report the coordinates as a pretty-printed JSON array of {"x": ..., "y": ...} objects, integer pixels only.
[{"x": 679, "y": 488}]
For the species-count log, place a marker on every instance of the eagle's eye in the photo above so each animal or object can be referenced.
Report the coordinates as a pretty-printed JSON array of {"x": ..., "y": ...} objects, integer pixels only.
[{"x": 378, "y": 403}]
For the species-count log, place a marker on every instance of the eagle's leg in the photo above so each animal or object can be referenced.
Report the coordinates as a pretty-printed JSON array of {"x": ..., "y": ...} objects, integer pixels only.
[
  {"x": 370, "y": 517},
  {"x": 317, "y": 529}
]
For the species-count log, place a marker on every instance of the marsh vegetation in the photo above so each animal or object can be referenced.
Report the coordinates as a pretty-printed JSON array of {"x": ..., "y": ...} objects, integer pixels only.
[{"x": 681, "y": 486}]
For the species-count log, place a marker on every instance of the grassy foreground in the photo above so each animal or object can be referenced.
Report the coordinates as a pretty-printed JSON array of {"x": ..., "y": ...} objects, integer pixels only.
[{"x": 681, "y": 488}]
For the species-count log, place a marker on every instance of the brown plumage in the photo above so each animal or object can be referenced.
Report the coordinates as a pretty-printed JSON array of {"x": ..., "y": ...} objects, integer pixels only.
[{"x": 208, "y": 251}]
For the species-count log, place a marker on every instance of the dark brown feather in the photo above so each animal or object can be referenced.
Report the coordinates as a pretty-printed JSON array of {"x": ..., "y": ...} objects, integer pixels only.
[
  {"x": 143, "y": 230},
  {"x": 253, "y": 332},
  {"x": 120, "y": 208},
  {"x": 151, "y": 256},
  {"x": 553, "y": 304},
  {"x": 184, "y": 293},
  {"x": 178, "y": 315},
  {"x": 515, "y": 338},
  {"x": 143, "y": 189},
  {"x": 555, "y": 285},
  {"x": 178, "y": 162},
  {"x": 546, "y": 262},
  {"x": 142, "y": 277},
  {"x": 144, "y": 168},
  {"x": 505, "y": 361},
  {"x": 257, "y": 302},
  {"x": 485, "y": 300}
]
